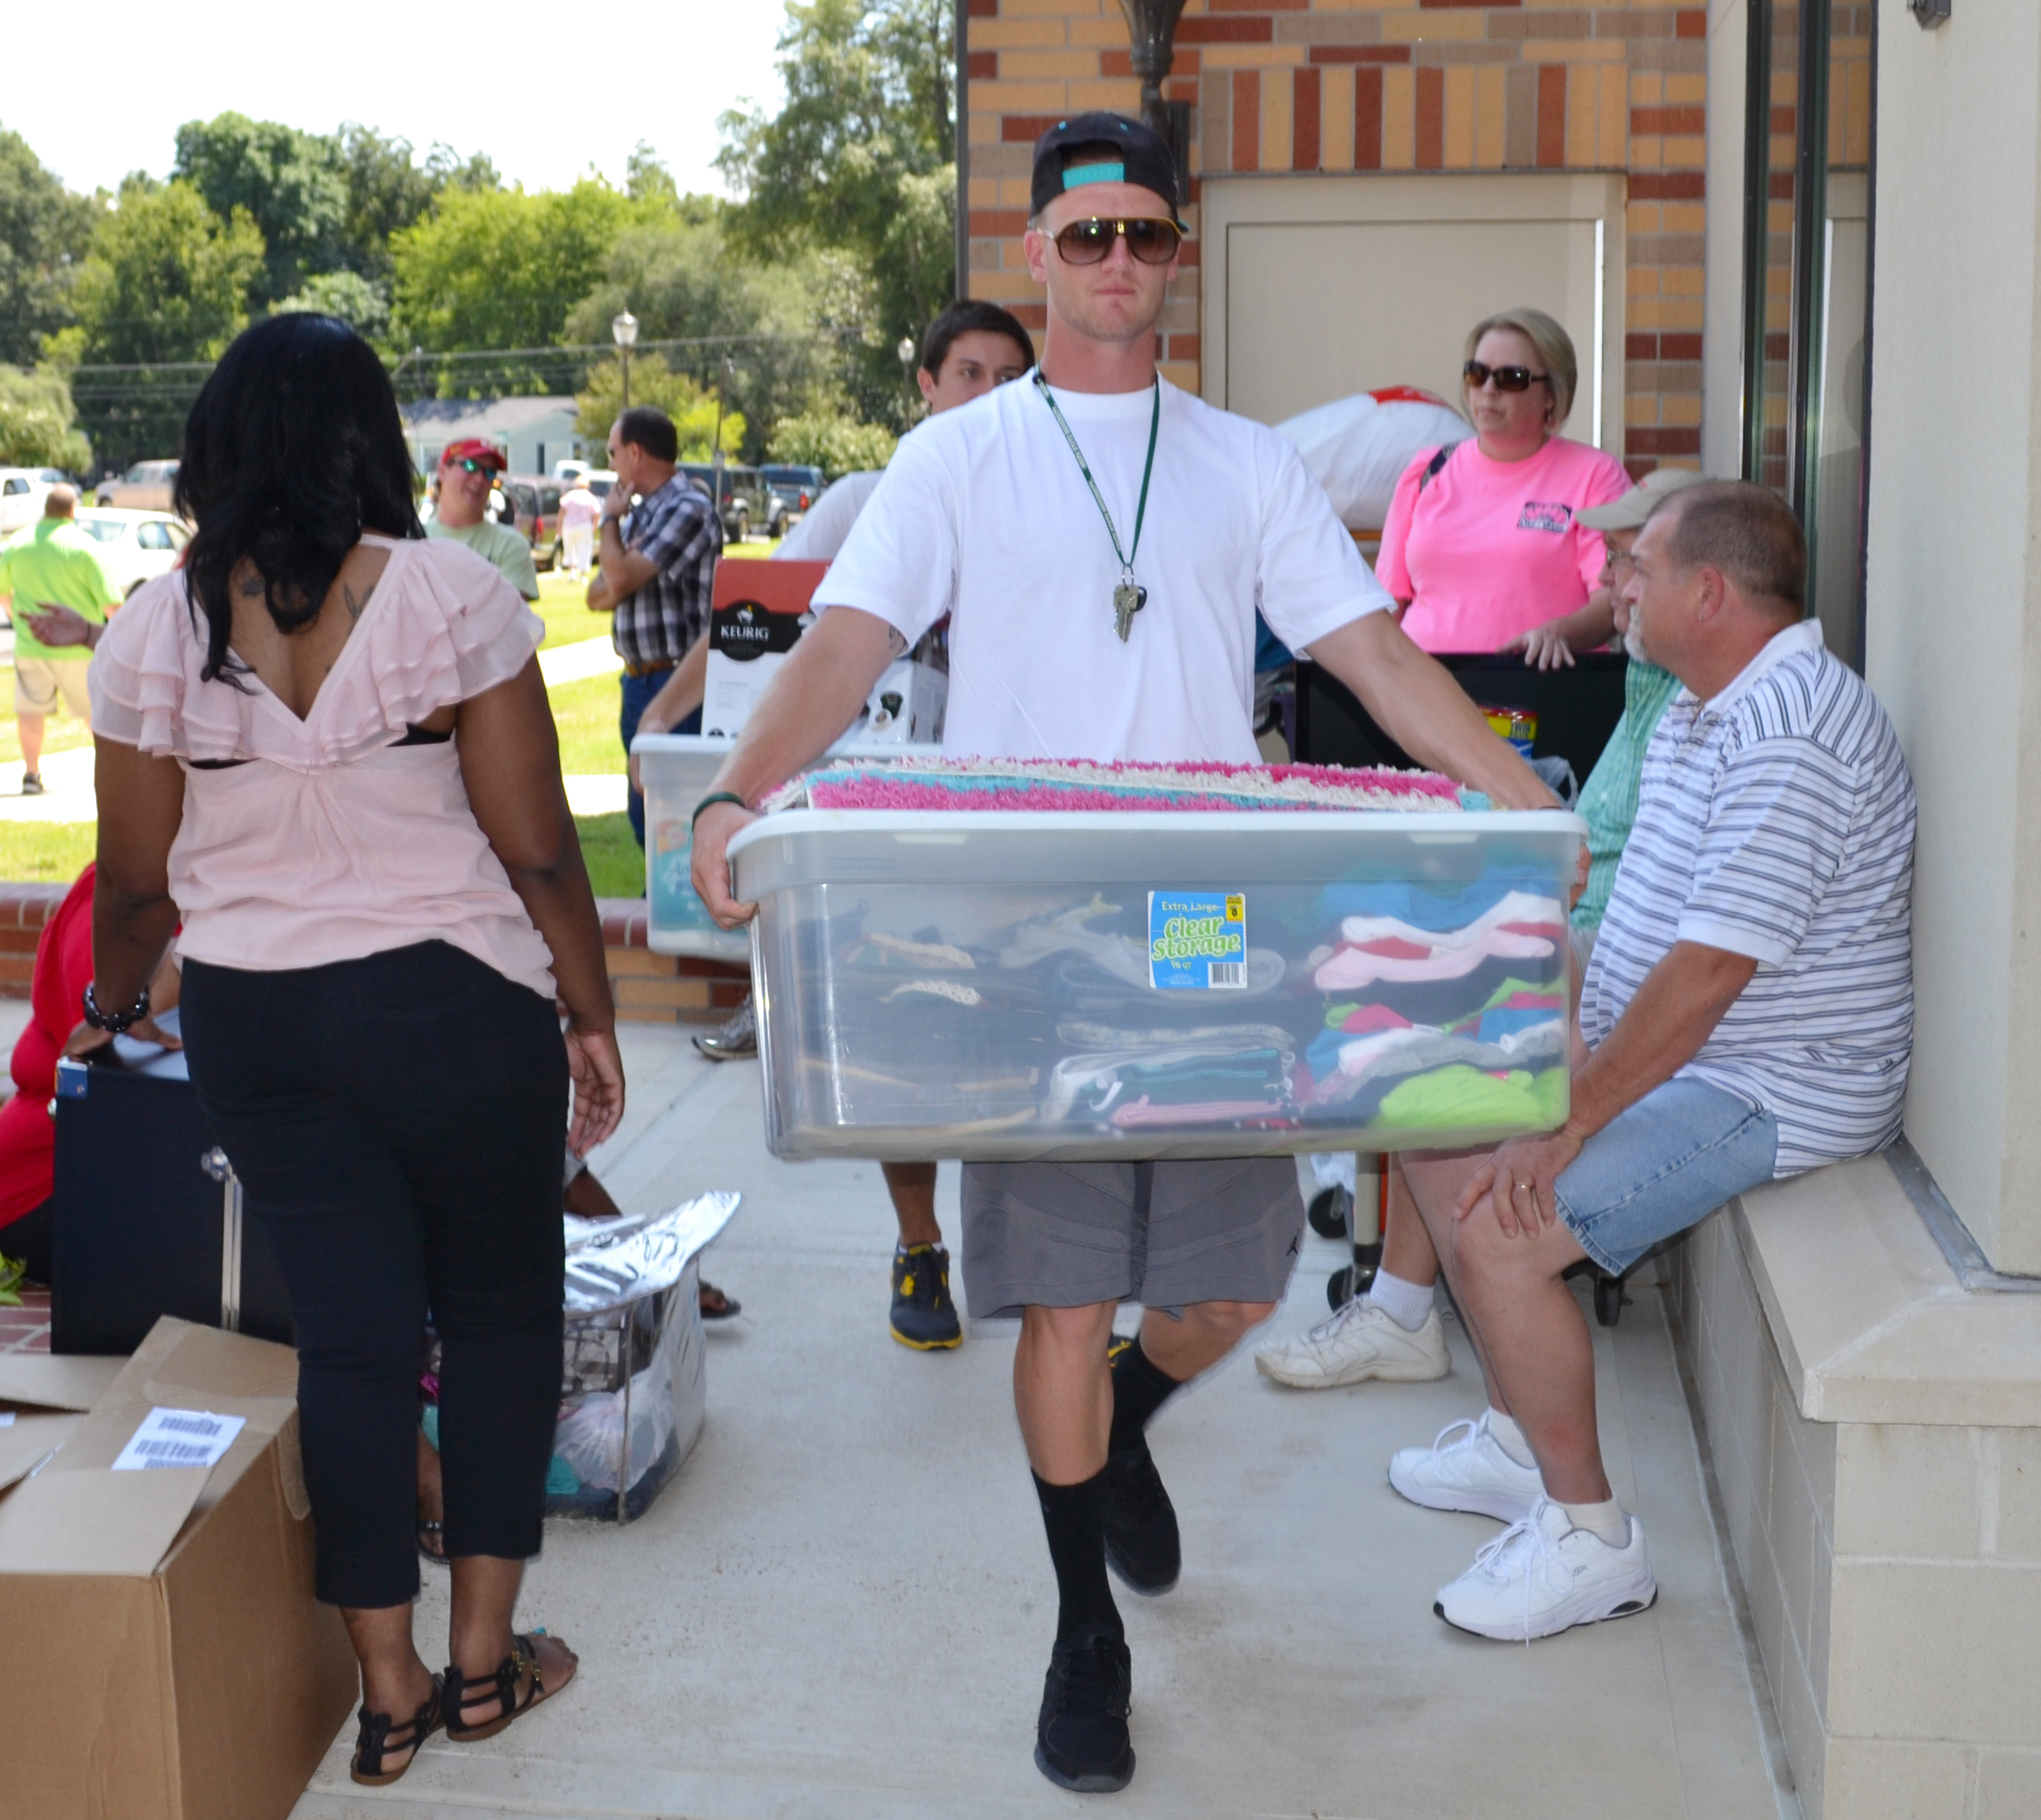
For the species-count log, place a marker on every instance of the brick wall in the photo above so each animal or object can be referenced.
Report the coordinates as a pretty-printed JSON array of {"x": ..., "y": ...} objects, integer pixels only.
[
  {"x": 1391, "y": 85},
  {"x": 24, "y": 910},
  {"x": 661, "y": 989}
]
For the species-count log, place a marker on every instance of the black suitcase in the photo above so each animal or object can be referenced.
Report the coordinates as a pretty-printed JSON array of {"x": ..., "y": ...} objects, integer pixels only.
[{"x": 148, "y": 1218}]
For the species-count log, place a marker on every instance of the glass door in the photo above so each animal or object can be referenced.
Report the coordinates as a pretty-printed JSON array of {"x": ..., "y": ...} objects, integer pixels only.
[{"x": 1806, "y": 303}]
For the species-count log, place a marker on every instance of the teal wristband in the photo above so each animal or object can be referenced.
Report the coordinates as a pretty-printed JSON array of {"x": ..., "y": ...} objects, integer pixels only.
[{"x": 711, "y": 800}]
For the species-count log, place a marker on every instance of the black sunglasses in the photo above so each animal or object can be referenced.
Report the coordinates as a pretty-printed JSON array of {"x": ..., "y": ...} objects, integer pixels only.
[
  {"x": 1506, "y": 379},
  {"x": 470, "y": 465},
  {"x": 1151, "y": 240}
]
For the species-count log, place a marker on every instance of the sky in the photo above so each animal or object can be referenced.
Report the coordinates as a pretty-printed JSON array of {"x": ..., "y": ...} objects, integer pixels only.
[{"x": 545, "y": 91}]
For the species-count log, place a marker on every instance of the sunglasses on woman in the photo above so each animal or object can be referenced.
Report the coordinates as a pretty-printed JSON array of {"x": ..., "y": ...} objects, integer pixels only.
[
  {"x": 1151, "y": 239},
  {"x": 470, "y": 465},
  {"x": 1506, "y": 379}
]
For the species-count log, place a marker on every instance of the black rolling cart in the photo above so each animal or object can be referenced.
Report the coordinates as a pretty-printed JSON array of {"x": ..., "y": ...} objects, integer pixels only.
[{"x": 148, "y": 1217}]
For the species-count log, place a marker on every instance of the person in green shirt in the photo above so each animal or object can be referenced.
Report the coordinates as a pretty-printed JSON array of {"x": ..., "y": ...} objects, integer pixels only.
[
  {"x": 55, "y": 564},
  {"x": 467, "y": 470},
  {"x": 1608, "y": 799}
]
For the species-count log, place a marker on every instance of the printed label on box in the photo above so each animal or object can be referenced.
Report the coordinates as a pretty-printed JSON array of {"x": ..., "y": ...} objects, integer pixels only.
[
  {"x": 1197, "y": 940},
  {"x": 179, "y": 1437}
]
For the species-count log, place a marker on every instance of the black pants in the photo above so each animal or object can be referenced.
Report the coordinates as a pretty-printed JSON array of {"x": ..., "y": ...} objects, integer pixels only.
[{"x": 396, "y": 1122}]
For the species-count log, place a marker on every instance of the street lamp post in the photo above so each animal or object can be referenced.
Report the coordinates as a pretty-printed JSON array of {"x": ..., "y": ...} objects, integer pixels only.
[
  {"x": 623, "y": 328},
  {"x": 715, "y": 446},
  {"x": 906, "y": 353}
]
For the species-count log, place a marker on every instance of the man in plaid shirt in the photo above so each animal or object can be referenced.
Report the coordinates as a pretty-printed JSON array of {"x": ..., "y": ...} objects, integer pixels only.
[{"x": 656, "y": 579}]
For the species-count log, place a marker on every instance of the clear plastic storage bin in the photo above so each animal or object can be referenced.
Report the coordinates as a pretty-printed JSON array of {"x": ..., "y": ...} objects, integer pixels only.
[
  {"x": 677, "y": 770},
  {"x": 1006, "y": 986}
]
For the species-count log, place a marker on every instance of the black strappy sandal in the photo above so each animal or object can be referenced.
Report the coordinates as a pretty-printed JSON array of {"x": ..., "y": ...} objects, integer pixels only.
[
  {"x": 517, "y": 1674},
  {"x": 375, "y": 1741}
]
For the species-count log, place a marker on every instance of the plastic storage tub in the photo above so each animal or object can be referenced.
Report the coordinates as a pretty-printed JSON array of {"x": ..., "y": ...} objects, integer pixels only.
[
  {"x": 677, "y": 770},
  {"x": 1006, "y": 986}
]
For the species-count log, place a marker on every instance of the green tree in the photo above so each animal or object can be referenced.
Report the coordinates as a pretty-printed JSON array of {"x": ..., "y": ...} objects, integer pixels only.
[
  {"x": 44, "y": 230},
  {"x": 292, "y": 185},
  {"x": 167, "y": 282},
  {"x": 834, "y": 442},
  {"x": 36, "y": 416},
  {"x": 694, "y": 410},
  {"x": 860, "y": 157},
  {"x": 502, "y": 268},
  {"x": 685, "y": 282},
  {"x": 359, "y": 302}
]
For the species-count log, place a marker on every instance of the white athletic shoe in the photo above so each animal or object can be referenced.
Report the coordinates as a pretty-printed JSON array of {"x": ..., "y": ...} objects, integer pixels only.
[
  {"x": 1541, "y": 1577},
  {"x": 1469, "y": 1472},
  {"x": 1358, "y": 1342}
]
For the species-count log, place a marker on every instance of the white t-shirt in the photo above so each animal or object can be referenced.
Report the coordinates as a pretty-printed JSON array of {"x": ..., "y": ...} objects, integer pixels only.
[
  {"x": 824, "y": 526},
  {"x": 982, "y": 514}
]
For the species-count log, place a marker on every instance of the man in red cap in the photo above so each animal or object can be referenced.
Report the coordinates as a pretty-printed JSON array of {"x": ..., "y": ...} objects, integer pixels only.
[{"x": 467, "y": 470}]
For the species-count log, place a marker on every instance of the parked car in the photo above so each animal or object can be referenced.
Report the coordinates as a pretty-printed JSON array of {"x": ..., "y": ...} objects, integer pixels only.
[
  {"x": 795, "y": 487},
  {"x": 537, "y": 501},
  {"x": 135, "y": 546},
  {"x": 745, "y": 499},
  {"x": 145, "y": 487},
  {"x": 22, "y": 492}
]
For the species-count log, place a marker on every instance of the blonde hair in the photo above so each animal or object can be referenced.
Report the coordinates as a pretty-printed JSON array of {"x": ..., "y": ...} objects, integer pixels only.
[{"x": 1555, "y": 352}]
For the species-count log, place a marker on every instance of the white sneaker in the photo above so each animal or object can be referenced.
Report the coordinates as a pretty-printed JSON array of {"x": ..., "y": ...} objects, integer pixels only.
[
  {"x": 1358, "y": 1342},
  {"x": 1541, "y": 1577},
  {"x": 1472, "y": 1472}
]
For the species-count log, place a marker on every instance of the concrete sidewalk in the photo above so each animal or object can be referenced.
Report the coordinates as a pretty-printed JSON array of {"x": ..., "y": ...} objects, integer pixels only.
[{"x": 843, "y": 1606}]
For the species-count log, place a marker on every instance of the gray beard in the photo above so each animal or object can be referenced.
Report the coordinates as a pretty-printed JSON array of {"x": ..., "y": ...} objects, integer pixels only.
[{"x": 1635, "y": 644}]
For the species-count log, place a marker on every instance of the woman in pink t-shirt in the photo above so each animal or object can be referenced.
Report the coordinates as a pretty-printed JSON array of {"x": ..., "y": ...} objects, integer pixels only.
[
  {"x": 324, "y": 747},
  {"x": 1482, "y": 543}
]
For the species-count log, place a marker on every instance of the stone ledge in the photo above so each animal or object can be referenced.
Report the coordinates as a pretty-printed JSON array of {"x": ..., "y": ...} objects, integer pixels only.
[{"x": 1871, "y": 1321}]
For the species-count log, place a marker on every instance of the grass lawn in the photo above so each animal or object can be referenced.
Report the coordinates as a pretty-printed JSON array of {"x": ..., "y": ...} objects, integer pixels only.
[
  {"x": 586, "y": 714},
  {"x": 56, "y": 852},
  {"x": 615, "y": 862},
  {"x": 59, "y": 735}
]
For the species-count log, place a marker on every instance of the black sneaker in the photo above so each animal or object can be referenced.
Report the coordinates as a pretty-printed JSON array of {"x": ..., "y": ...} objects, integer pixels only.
[
  {"x": 31, "y": 783},
  {"x": 924, "y": 1316},
  {"x": 1081, "y": 1741},
  {"x": 1142, "y": 1545}
]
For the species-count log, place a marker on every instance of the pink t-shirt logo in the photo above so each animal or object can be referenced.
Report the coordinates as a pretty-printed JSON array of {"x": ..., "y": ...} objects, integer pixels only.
[{"x": 1539, "y": 515}]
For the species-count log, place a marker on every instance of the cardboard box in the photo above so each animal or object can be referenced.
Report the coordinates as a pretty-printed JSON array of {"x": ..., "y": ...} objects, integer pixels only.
[
  {"x": 181, "y": 1668},
  {"x": 758, "y": 614}
]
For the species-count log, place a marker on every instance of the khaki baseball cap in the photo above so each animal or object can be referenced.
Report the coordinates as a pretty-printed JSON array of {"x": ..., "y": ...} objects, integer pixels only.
[{"x": 1629, "y": 512}]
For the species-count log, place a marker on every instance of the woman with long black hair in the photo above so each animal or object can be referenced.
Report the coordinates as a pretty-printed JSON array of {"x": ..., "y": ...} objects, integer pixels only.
[{"x": 325, "y": 745}]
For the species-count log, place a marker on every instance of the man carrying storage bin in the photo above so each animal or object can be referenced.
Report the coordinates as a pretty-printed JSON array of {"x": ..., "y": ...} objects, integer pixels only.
[
  {"x": 1748, "y": 1014},
  {"x": 1101, "y": 541}
]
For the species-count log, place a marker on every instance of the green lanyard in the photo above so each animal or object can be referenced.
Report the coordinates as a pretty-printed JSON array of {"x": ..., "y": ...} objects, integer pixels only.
[{"x": 1129, "y": 597}]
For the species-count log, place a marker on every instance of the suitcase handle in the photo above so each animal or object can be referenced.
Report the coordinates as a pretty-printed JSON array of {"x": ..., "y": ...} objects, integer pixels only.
[{"x": 214, "y": 1163}]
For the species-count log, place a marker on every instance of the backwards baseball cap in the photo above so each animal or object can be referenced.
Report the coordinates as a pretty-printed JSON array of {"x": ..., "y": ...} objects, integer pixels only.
[
  {"x": 1101, "y": 147},
  {"x": 474, "y": 448},
  {"x": 1629, "y": 512}
]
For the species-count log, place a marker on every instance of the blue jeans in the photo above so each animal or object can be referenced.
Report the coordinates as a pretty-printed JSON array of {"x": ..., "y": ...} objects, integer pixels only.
[
  {"x": 1661, "y": 1165},
  {"x": 638, "y": 693}
]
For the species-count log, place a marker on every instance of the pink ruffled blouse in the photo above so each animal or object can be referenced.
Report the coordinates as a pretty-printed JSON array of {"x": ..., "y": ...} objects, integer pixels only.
[{"x": 330, "y": 841}]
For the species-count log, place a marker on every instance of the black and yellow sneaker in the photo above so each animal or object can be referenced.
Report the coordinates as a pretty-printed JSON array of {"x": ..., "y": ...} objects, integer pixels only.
[{"x": 924, "y": 1316}]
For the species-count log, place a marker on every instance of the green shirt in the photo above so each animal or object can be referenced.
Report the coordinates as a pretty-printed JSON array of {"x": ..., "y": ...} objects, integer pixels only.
[
  {"x": 1608, "y": 801},
  {"x": 496, "y": 543},
  {"x": 54, "y": 564}
]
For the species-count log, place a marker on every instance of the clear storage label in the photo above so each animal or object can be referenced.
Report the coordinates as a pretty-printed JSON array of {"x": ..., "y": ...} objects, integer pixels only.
[{"x": 1197, "y": 940}]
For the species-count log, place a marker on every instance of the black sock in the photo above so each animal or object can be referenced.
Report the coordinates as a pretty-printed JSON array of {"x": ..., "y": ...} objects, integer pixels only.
[
  {"x": 1140, "y": 1386},
  {"x": 1075, "y": 1515}
]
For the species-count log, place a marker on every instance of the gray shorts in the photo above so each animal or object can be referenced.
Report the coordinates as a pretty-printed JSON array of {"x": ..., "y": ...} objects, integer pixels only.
[{"x": 1166, "y": 1234}]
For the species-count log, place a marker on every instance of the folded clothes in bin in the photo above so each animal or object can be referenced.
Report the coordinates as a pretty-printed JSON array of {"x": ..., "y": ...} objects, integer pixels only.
[{"x": 995, "y": 978}]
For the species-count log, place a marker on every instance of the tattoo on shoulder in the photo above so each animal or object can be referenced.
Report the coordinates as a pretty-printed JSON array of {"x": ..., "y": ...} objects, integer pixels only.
[
  {"x": 895, "y": 643},
  {"x": 355, "y": 604}
]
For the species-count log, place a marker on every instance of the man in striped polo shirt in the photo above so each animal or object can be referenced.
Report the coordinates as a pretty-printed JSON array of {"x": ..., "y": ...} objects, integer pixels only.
[{"x": 1748, "y": 1014}]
